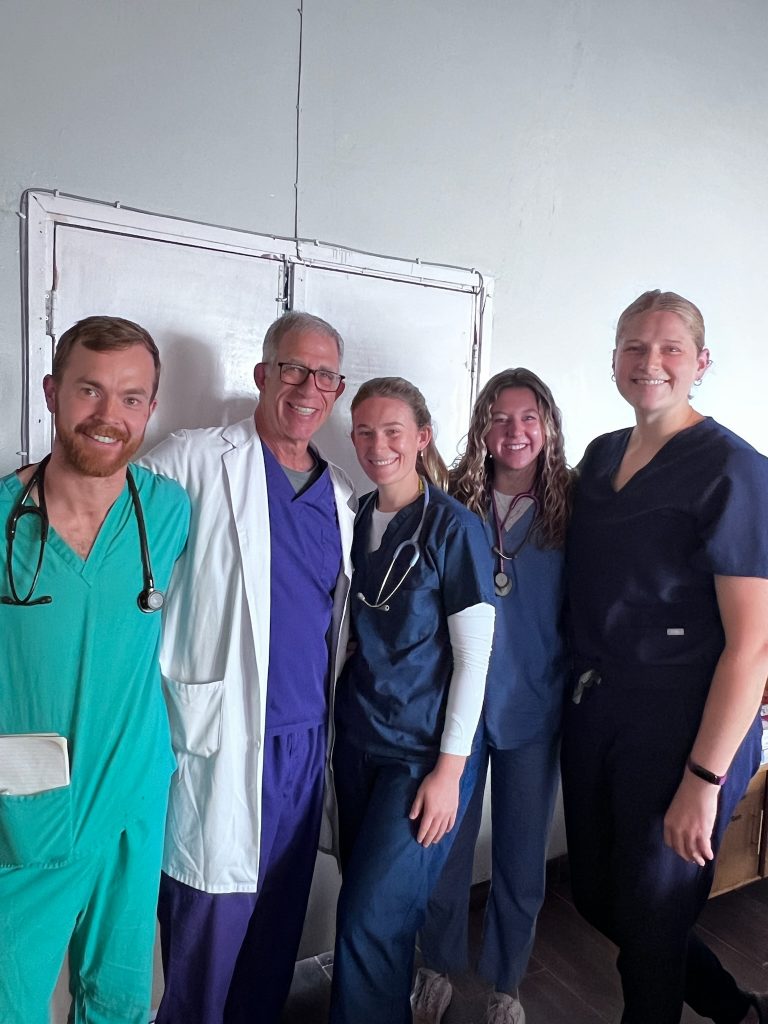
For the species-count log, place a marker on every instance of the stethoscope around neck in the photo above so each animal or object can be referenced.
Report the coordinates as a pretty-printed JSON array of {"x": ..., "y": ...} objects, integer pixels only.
[
  {"x": 382, "y": 603},
  {"x": 149, "y": 600},
  {"x": 502, "y": 580}
]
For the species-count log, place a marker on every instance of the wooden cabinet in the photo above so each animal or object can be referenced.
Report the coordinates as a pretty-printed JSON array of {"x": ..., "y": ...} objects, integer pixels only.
[{"x": 742, "y": 857}]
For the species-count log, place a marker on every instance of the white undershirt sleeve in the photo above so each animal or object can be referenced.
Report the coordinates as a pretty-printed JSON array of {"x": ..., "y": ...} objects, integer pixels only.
[{"x": 471, "y": 635}]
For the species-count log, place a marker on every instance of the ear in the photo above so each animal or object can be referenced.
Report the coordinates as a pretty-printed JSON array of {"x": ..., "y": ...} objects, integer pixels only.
[
  {"x": 425, "y": 436},
  {"x": 702, "y": 363},
  {"x": 613, "y": 361},
  {"x": 49, "y": 390},
  {"x": 339, "y": 391},
  {"x": 260, "y": 375},
  {"x": 152, "y": 407}
]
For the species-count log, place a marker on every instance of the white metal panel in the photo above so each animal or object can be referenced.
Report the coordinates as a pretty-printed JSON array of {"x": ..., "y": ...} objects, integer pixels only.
[
  {"x": 206, "y": 309},
  {"x": 45, "y": 213},
  {"x": 423, "y": 332}
]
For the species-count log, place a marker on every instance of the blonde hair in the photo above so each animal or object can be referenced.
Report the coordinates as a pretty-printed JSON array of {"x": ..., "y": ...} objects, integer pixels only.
[
  {"x": 667, "y": 302},
  {"x": 429, "y": 463},
  {"x": 471, "y": 476}
]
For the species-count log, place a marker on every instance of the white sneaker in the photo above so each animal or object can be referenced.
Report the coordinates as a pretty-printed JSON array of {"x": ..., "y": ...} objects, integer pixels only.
[
  {"x": 504, "y": 1009},
  {"x": 432, "y": 992}
]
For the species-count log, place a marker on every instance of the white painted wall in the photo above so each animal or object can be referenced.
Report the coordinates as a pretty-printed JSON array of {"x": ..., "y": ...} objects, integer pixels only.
[{"x": 579, "y": 150}]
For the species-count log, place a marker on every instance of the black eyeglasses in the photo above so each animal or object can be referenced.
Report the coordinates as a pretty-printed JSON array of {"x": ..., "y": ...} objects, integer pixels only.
[{"x": 295, "y": 373}]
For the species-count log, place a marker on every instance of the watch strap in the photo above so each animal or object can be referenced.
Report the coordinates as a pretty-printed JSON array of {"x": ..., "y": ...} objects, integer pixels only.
[{"x": 704, "y": 773}]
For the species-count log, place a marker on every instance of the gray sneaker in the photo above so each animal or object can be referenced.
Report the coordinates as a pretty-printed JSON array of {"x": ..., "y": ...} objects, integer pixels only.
[
  {"x": 430, "y": 997},
  {"x": 504, "y": 1009}
]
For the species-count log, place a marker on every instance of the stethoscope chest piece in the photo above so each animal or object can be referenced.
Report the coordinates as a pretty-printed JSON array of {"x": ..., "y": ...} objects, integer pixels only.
[
  {"x": 502, "y": 584},
  {"x": 151, "y": 600}
]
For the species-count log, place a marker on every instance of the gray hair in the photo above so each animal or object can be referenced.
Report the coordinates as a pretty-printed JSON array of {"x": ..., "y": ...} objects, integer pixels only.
[{"x": 298, "y": 321}]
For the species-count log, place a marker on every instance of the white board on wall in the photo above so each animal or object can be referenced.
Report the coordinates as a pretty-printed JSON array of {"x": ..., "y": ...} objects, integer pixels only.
[{"x": 207, "y": 295}]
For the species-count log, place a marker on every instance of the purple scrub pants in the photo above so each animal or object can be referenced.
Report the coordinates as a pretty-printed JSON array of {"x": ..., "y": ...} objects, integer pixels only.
[{"x": 228, "y": 958}]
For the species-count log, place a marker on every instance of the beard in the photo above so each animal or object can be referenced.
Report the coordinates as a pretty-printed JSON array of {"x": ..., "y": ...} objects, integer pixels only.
[{"x": 82, "y": 457}]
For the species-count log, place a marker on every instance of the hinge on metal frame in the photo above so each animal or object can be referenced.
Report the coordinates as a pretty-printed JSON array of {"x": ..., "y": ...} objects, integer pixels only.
[{"x": 51, "y": 307}]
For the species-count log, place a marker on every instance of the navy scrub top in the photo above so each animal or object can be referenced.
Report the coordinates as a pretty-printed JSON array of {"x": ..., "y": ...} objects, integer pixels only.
[
  {"x": 641, "y": 562},
  {"x": 392, "y": 694}
]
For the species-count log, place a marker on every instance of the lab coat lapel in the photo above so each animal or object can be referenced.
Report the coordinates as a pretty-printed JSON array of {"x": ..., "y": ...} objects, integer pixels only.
[{"x": 244, "y": 469}]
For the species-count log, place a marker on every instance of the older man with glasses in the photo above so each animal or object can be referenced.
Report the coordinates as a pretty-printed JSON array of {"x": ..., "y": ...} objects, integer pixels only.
[{"x": 254, "y": 639}]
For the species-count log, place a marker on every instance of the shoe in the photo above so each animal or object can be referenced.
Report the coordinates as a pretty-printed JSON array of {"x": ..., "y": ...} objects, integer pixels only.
[
  {"x": 504, "y": 1009},
  {"x": 430, "y": 997}
]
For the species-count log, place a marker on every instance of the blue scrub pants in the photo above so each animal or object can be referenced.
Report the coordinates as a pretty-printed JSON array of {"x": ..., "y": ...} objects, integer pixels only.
[
  {"x": 101, "y": 906},
  {"x": 387, "y": 878},
  {"x": 523, "y": 790},
  {"x": 229, "y": 957},
  {"x": 624, "y": 753}
]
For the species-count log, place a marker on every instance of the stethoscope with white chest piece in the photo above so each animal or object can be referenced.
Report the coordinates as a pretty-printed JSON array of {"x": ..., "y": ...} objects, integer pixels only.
[
  {"x": 382, "y": 603},
  {"x": 149, "y": 600},
  {"x": 502, "y": 580}
]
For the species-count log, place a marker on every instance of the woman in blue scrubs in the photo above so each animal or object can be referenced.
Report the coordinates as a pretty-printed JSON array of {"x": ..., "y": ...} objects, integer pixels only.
[
  {"x": 668, "y": 591},
  {"x": 408, "y": 700},
  {"x": 513, "y": 474}
]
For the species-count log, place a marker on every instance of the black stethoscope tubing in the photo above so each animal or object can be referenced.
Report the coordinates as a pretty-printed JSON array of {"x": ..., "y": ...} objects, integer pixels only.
[
  {"x": 382, "y": 604},
  {"x": 149, "y": 600}
]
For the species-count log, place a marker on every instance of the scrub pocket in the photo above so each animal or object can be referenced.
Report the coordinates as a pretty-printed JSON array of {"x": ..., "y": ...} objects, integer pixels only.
[
  {"x": 194, "y": 712},
  {"x": 36, "y": 830}
]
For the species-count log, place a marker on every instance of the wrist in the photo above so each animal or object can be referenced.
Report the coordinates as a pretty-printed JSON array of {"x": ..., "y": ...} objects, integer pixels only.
[{"x": 450, "y": 765}]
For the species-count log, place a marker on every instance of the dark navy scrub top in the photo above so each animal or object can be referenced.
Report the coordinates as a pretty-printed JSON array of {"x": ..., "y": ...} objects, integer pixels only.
[
  {"x": 641, "y": 562},
  {"x": 392, "y": 695}
]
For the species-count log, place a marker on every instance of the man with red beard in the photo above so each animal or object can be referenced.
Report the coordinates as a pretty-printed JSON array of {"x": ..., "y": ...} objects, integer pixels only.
[{"x": 85, "y": 756}]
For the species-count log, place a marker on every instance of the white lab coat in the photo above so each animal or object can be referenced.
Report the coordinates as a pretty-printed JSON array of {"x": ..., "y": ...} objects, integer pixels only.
[{"x": 215, "y": 654}]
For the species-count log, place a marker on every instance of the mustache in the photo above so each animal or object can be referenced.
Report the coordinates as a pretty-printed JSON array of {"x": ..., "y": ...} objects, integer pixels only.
[{"x": 104, "y": 429}]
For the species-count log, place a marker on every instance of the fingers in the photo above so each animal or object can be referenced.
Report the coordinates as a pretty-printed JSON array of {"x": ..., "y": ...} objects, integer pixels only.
[
  {"x": 416, "y": 806},
  {"x": 696, "y": 849},
  {"x": 433, "y": 828}
]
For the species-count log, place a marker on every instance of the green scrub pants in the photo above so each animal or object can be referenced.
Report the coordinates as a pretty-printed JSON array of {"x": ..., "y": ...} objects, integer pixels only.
[{"x": 102, "y": 906}]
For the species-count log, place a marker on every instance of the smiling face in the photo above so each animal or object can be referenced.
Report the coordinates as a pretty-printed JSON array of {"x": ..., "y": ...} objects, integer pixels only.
[
  {"x": 514, "y": 440},
  {"x": 101, "y": 404},
  {"x": 656, "y": 363},
  {"x": 387, "y": 442},
  {"x": 288, "y": 414}
]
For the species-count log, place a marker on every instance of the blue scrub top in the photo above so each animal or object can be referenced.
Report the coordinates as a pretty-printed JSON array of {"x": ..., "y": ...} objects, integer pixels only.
[
  {"x": 528, "y": 669},
  {"x": 641, "y": 562},
  {"x": 305, "y": 563},
  {"x": 392, "y": 694}
]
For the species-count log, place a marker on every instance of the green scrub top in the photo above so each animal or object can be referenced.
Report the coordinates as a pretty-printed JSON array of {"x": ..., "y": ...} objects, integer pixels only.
[{"x": 86, "y": 666}]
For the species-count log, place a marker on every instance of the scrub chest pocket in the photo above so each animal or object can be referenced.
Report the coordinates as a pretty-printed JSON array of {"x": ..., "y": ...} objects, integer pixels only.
[
  {"x": 194, "y": 712},
  {"x": 36, "y": 830}
]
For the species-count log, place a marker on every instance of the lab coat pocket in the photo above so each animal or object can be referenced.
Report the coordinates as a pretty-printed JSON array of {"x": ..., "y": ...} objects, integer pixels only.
[
  {"x": 194, "y": 712},
  {"x": 36, "y": 830}
]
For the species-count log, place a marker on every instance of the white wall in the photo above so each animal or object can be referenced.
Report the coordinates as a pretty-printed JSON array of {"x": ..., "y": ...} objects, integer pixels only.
[{"x": 578, "y": 150}]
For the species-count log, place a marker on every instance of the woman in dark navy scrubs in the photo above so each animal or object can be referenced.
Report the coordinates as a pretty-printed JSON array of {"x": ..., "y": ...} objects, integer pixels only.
[
  {"x": 667, "y": 566},
  {"x": 408, "y": 700}
]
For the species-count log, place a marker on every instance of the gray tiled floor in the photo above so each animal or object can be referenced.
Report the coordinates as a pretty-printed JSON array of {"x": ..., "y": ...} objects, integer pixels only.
[{"x": 572, "y": 977}]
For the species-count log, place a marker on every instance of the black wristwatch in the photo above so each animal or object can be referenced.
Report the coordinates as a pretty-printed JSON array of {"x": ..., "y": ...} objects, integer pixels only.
[{"x": 704, "y": 773}]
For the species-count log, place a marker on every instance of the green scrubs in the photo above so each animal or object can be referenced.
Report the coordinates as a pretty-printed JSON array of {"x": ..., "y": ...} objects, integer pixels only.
[{"x": 79, "y": 865}]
